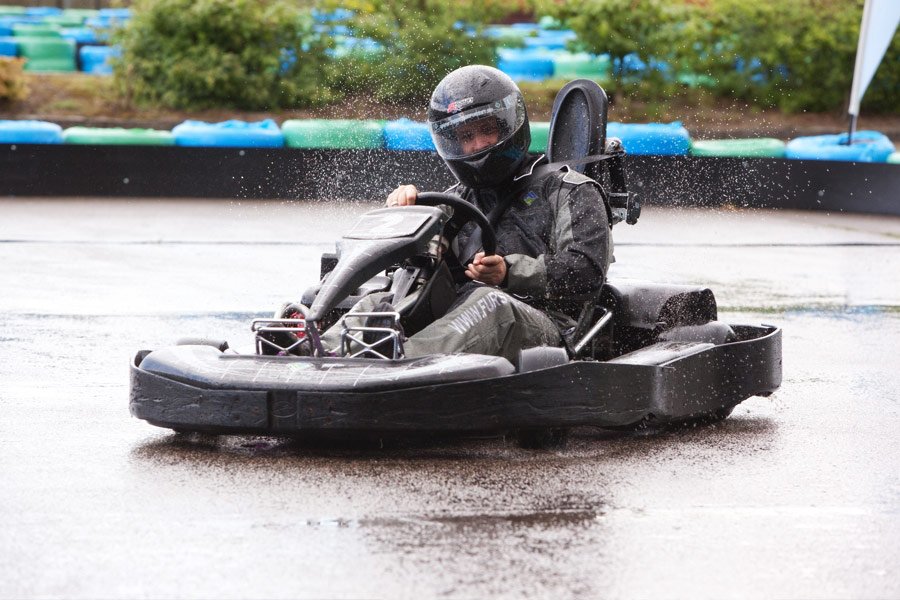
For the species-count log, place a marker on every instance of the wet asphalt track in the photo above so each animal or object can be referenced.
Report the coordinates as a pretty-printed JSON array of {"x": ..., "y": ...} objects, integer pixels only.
[{"x": 794, "y": 496}]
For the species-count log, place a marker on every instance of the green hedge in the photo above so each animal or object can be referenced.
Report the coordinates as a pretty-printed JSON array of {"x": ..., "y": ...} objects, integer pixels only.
[{"x": 421, "y": 42}]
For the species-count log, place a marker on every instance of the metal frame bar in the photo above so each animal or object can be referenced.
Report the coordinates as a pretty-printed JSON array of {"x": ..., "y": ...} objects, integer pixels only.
[{"x": 368, "y": 349}]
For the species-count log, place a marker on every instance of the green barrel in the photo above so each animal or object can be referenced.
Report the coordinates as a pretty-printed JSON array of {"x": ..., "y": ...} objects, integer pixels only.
[
  {"x": 64, "y": 20},
  {"x": 36, "y": 30},
  {"x": 569, "y": 65},
  {"x": 337, "y": 133},
  {"x": 894, "y": 158},
  {"x": 540, "y": 134},
  {"x": 47, "y": 53},
  {"x": 80, "y": 13},
  {"x": 695, "y": 80},
  {"x": 118, "y": 136},
  {"x": 741, "y": 148}
]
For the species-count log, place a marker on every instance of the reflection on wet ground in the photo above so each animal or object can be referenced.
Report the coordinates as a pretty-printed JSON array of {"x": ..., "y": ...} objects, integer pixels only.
[{"x": 796, "y": 495}]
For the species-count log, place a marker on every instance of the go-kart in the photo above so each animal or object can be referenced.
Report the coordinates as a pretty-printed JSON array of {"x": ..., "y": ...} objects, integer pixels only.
[{"x": 641, "y": 352}]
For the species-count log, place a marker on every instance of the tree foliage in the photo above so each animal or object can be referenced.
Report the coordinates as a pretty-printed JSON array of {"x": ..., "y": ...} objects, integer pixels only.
[
  {"x": 12, "y": 80},
  {"x": 420, "y": 43},
  {"x": 796, "y": 55},
  {"x": 245, "y": 54}
]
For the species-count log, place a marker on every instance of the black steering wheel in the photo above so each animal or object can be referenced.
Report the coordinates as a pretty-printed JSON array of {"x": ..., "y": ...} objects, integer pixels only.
[{"x": 463, "y": 212}]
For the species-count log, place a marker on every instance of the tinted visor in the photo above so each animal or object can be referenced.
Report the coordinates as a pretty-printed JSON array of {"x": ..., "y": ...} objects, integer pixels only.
[{"x": 479, "y": 128}]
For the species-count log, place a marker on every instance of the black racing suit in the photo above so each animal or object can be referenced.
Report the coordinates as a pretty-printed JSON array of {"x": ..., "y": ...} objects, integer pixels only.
[{"x": 554, "y": 235}]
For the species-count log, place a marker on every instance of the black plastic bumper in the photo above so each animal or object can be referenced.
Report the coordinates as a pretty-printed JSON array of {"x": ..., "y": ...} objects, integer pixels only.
[{"x": 600, "y": 394}]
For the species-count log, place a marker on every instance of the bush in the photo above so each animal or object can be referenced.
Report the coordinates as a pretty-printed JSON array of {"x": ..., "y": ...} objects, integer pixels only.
[
  {"x": 783, "y": 54},
  {"x": 12, "y": 80},
  {"x": 796, "y": 55},
  {"x": 420, "y": 43},
  {"x": 642, "y": 38},
  {"x": 244, "y": 54}
]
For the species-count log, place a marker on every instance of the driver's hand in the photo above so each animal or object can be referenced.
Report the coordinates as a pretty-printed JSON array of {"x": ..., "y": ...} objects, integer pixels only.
[
  {"x": 487, "y": 269},
  {"x": 404, "y": 195}
]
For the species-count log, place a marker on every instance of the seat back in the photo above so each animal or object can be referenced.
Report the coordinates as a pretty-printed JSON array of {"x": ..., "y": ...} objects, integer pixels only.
[{"x": 578, "y": 126}]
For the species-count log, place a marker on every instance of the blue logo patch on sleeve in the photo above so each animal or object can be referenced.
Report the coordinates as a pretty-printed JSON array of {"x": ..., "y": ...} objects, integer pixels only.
[{"x": 529, "y": 198}]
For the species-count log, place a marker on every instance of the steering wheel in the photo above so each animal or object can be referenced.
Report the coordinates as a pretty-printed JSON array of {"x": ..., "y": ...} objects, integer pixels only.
[{"x": 463, "y": 212}]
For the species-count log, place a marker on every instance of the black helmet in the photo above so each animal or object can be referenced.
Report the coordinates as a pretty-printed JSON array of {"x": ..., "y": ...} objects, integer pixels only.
[{"x": 479, "y": 98}]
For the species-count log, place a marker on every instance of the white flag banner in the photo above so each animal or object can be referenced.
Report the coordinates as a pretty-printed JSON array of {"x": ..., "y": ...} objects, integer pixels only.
[{"x": 879, "y": 22}]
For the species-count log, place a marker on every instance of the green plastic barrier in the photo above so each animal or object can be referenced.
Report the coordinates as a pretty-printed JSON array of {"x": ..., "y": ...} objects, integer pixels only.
[
  {"x": 11, "y": 11},
  {"x": 36, "y": 30},
  {"x": 118, "y": 136},
  {"x": 337, "y": 133},
  {"x": 47, "y": 53},
  {"x": 567, "y": 65},
  {"x": 894, "y": 158},
  {"x": 742, "y": 148},
  {"x": 540, "y": 134}
]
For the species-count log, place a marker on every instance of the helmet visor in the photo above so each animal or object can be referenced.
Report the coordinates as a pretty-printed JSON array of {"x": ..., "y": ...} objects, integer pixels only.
[{"x": 480, "y": 128}]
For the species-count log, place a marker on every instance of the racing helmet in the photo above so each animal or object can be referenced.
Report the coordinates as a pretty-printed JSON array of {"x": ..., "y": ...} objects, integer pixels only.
[{"x": 472, "y": 106}]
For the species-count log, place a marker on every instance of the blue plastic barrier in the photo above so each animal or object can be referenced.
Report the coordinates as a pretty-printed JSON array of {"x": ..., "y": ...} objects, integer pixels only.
[
  {"x": 30, "y": 132},
  {"x": 97, "y": 59},
  {"x": 404, "y": 134},
  {"x": 669, "y": 139},
  {"x": 868, "y": 146},
  {"x": 525, "y": 65},
  {"x": 8, "y": 46},
  {"x": 238, "y": 134}
]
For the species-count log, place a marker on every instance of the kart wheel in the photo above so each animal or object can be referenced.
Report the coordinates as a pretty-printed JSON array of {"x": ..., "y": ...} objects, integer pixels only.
[{"x": 549, "y": 438}]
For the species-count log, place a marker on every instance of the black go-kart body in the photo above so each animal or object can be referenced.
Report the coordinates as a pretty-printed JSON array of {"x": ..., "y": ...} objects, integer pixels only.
[{"x": 642, "y": 352}]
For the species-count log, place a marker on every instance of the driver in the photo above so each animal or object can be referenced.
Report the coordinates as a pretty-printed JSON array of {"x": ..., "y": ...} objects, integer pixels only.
[{"x": 552, "y": 226}]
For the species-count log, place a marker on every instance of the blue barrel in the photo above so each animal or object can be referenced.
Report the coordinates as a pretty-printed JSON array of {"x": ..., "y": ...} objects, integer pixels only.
[
  {"x": 97, "y": 60},
  {"x": 12, "y": 20},
  {"x": 43, "y": 11},
  {"x": 234, "y": 133},
  {"x": 550, "y": 40},
  {"x": 527, "y": 28},
  {"x": 868, "y": 146},
  {"x": 119, "y": 14},
  {"x": 404, "y": 134},
  {"x": 669, "y": 139},
  {"x": 338, "y": 14},
  {"x": 79, "y": 35},
  {"x": 30, "y": 132},
  {"x": 9, "y": 46},
  {"x": 525, "y": 65}
]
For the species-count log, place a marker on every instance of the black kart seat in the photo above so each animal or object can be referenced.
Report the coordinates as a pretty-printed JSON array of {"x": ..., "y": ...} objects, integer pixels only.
[{"x": 578, "y": 126}]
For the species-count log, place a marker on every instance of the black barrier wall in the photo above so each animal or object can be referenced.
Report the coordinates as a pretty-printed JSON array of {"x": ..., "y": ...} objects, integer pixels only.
[{"x": 141, "y": 171}]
